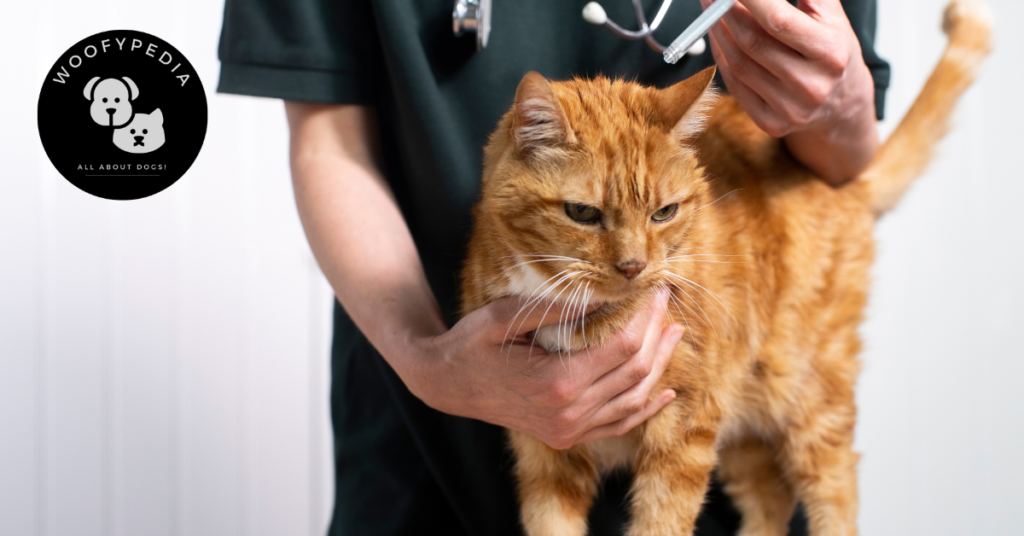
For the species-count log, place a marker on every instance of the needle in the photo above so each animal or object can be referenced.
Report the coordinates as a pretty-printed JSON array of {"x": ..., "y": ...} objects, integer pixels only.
[{"x": 697, "y": 29}]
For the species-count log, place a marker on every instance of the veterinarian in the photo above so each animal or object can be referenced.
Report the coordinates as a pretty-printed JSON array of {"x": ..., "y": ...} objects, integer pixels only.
[{"x": 388, "y": 114}]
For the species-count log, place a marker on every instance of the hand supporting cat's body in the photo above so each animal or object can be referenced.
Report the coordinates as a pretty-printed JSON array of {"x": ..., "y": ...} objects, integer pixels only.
[{"x": 602, "y": 192}]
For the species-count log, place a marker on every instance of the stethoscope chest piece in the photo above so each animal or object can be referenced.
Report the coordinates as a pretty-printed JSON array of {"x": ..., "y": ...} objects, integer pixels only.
[{"x": 473, "y": 16}]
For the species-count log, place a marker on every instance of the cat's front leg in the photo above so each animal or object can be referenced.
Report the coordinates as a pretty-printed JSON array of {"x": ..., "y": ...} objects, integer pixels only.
[
  {"x": 820, "y": 461},
  {"x": 757, "y": 486},
  {"x": 556, "y": 488},
  {"x": 671, "y": 473}
]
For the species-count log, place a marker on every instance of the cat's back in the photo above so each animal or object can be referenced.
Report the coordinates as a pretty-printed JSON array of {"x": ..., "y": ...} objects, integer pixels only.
[
  {"x": 781, "y": 203},
  {"x": 809, "y": 247}
]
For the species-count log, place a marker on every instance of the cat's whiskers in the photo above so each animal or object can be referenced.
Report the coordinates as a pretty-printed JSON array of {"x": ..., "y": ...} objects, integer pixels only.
[
  {"x": 688, "y": 308},
  {"x": 691, "y": 255},
  {"x": 535, "y": 301},
  {"x": 709, "y": 323},
  {"x": 542, "y": 258},
  {"x": 583, "y": 319},
  {"x": 707, "y": 261},
  {"x": 717, "y": 200},
  {"x": 538, "y": 255},
  {"x": 675, "y": 303},
  {"x": 701, "y": 257},
  {"x": 690, "y": 249},
  {"x": 524, "y": 263},
  {"x": 526, "y": 303},
  {"x": 692, "y": 284},
  {"x": 570, "y": 315},
  {"x": 545, "y": 315},
  {"x": 706, "y": 255},
  {"x": 563, "y": 323},
  {"x": 575, "y": 304}
]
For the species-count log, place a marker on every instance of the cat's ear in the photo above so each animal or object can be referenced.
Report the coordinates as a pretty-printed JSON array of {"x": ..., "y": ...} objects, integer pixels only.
[
  {"x": 684, "y": 107},
  {"x": 539, "y": 120},
  {"x": 157, "y": 116}
]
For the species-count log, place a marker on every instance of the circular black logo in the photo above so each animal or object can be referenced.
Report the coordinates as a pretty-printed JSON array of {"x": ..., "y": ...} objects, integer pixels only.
[{"x": 122, "y": 114}]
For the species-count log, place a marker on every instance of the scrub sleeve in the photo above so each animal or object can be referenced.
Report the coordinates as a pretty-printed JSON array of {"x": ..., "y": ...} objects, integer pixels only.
[{"x": 400, "y": 467}]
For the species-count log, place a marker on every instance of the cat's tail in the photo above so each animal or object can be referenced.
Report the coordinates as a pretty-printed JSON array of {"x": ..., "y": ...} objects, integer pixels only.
[{"x": 908, "y": 150}]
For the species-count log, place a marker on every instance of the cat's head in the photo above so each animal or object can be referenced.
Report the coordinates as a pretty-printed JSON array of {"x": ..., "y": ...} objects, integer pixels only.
[
  {"x": 144, "y": 134},
  {"x": 601, "y": 171}
]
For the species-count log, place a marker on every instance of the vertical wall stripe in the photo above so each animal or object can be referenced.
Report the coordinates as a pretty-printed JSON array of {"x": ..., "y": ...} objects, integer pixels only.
[
  {"x": 180, "y": 371},
  {"x": 46, "y": 177},
  {"x": 115, "y": 386},
  {"x": 317, "y": 396}
]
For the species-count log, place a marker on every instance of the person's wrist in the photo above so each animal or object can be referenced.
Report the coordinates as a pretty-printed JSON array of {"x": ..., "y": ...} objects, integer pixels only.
[
  {"x": 844, "y": 142},
  {"x": 852, "y": 113},
  {"x": 425, "y": 363}
]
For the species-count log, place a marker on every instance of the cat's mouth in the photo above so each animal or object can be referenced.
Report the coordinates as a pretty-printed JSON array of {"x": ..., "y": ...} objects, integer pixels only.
[
  {"x": 139, "y": 141},
  {"x": 595, "y": 311}
]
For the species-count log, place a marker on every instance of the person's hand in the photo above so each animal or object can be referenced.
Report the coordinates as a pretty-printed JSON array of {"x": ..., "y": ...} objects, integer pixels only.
[
  {"x": 561, "y": 400},
  {"x": 799, "y": 74}
]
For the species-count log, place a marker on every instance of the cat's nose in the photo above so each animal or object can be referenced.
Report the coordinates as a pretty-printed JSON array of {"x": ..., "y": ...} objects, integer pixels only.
[
  {"x": 631, "y": 268},
  {"x": 111, "y": 110}
]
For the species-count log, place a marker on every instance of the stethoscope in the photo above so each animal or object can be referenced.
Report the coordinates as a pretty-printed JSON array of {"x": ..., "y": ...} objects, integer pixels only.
[{"x": 474, "y": 16}]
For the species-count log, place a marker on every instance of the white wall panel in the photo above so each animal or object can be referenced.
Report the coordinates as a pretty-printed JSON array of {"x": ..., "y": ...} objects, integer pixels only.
[
  {"x": 941, "y": 423},
  {"x": 163, "y": 362},
  {"x": 142, "y": 366},
  {"x": 21, "y": 307}
]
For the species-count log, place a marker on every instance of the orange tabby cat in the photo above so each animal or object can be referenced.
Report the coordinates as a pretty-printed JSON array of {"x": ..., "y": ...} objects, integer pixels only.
[{"x": 636, "y": 189}]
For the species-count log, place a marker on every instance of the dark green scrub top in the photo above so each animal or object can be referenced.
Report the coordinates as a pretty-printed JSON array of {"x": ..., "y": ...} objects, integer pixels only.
[{"x": 401, "y": 467}]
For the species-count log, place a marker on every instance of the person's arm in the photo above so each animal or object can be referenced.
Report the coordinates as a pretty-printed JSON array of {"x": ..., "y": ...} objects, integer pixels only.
[
  {"x": 799, "y": 73},
  {"x": 363, "y": 246}
]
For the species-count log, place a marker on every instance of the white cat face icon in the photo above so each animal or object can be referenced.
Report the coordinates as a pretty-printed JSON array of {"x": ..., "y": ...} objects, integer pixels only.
[
  {"x": 144, "y": 134},
  {"x": 111, "y": 100}
]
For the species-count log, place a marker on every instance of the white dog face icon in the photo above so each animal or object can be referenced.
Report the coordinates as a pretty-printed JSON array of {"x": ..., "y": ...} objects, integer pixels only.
[
  {"x": 143, "y": 135},
  {"x": 111, "y": 100}
]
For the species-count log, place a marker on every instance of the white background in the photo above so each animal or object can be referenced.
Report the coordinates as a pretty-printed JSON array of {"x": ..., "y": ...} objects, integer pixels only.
[{"x": 163, "y": 362}]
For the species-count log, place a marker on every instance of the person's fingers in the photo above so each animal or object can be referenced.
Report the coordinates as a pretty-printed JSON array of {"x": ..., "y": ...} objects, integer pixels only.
[
  {"x": 788, "y": 24},
  {"x": 642, "y": 331},
  {"x": 621, "y": 427},
  {"x": 802, "y": 85},
  {"x": 634, "y": 397},
  {"x": 752, "y": 103},
  {"x": 630, "y": 373},
  {"x": 778, "y": 58},
  {"x": 747, "y": 70},
  {"x": 573, "y": 392}
]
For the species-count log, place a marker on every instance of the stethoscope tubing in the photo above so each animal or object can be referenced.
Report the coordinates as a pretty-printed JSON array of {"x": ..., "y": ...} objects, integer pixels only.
[
  {"x": 474, "y": 16},
  {"x": 646, "y": 32}
]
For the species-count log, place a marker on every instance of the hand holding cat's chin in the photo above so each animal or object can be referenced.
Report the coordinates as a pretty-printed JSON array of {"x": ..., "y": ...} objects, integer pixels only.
[
  {"x": 474, "y": 371},
  {"x": 799, "y": 73}
]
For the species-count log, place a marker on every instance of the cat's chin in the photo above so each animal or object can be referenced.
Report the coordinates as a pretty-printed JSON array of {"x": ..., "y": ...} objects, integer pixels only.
[
  {"x": 591, "y": 330},
  {"x": 616, "y": 305}
]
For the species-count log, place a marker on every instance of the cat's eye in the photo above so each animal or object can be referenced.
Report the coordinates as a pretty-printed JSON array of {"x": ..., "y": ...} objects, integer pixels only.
[
  {"x": 104, "y": 99},
  {"x": 583, "y": 213},
  {"x": 665, "y": 213},
  {"x": 117, "y": 99},
  {"x": 145, "y": 131},
  {"x": 133, "y": 131}
]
